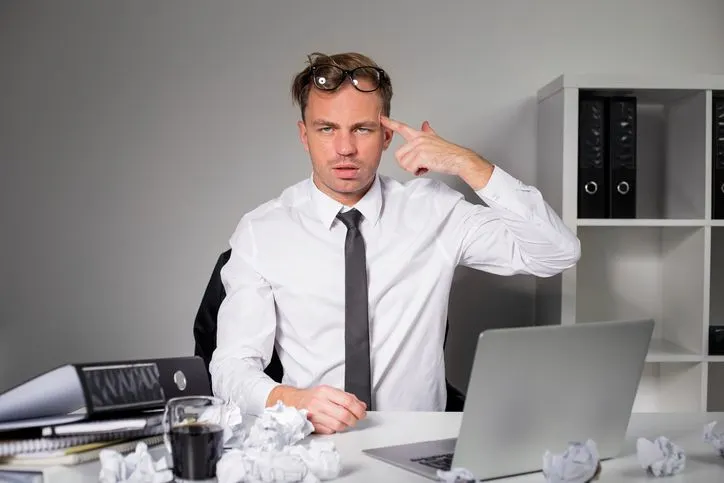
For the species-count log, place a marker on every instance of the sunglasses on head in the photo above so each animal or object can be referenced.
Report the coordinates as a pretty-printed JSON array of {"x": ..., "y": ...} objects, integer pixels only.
[{"x": 328, "y": 77}]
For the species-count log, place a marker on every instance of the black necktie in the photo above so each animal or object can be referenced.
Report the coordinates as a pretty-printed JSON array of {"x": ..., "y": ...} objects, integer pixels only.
[{"x": 357, "y": 379}]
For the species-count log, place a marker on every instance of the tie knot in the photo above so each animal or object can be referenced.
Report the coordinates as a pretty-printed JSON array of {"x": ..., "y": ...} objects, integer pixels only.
[{"x": 351, "y": 218}]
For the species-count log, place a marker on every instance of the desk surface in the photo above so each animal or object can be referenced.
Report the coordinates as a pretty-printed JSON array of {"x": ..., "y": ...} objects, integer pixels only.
[{"x": 703, "y": 464}]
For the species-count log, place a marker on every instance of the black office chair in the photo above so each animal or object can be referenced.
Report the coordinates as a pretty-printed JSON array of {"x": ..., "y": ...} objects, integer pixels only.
[{"x": 205, "y": 334}]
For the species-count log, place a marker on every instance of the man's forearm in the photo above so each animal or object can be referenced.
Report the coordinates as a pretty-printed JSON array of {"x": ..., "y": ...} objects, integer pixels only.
[{"x": 476, "y": 171}]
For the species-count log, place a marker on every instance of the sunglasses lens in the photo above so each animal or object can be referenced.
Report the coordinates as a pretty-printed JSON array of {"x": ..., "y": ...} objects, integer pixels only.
[
  {"x": 366, "y": 79},
  {"x": 328, "y": 77}
]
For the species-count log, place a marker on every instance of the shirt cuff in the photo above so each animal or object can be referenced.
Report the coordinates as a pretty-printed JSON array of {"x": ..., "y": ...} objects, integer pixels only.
[
  {"x": 501, "y": 192},
  {"x": 259, "y": 395}
]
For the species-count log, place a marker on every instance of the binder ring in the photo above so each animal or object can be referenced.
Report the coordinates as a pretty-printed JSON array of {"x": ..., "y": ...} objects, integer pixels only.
[
  {"x": 722, "y": 187},
  {"x": 622, "y": 187},
  {"x": 591, "y": 187},
  {"x": 180, "y": 379}
]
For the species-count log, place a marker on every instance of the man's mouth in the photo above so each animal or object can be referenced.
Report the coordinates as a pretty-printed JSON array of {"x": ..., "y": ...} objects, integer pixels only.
[{"x": 346, "y": 170}]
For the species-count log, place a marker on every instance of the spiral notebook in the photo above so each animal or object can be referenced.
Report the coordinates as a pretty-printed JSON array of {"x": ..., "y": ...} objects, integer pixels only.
[
  {"x": 14, "y": 447},
  {"x": 71, "y": 457}
]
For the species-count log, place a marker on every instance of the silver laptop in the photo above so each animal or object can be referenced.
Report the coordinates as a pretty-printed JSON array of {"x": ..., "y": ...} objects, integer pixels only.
[{"x": 534, "y": 389}]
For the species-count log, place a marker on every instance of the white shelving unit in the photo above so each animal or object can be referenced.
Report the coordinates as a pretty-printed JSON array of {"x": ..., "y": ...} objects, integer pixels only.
[{"x": 666, "y": 264}]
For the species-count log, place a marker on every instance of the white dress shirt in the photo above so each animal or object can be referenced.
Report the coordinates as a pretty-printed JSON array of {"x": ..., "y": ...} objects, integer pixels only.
[{"x": 285, "y": 283}]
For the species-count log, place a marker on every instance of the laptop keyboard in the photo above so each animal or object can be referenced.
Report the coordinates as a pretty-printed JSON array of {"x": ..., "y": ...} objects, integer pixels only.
[{"x": 441, "y": 461}]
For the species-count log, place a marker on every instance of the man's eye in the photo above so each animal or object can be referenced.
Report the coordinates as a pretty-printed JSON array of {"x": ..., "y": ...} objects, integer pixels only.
[
  {"x": 363, "y": 129},
  {"x": 326, "y": 129}
]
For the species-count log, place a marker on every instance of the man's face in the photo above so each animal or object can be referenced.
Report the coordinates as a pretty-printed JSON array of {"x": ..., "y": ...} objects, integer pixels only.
[{"x": 344, "y": 139}]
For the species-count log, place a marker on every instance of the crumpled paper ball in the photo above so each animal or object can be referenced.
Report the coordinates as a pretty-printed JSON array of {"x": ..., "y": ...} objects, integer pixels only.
[
  {"x": 270, "y": 451},
  {"x": 579, "y": 463},
  {"x": 136, "y": 467},
  {"x": 279, "y": 426},
  {"x": 319, "y": 461},
  {"x": 454, "y": 475},
  {"x": 715, "y": 439},
  {"x": 660, "y": 457}
]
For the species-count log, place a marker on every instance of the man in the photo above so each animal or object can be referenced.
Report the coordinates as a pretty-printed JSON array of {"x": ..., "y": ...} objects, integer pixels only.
[{"x": 348, "y": 273}]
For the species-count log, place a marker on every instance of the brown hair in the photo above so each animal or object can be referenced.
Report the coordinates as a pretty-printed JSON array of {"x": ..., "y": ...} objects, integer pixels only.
[{"x": 348, "y": 60}]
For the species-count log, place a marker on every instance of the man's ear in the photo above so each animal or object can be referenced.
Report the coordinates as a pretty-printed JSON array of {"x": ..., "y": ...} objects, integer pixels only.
[
  {"x": 387, "y": 133},
  {"x": 303, "y": 135}
]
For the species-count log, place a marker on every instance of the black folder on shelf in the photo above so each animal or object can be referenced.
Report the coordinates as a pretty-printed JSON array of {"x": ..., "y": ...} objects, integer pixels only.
[
  {"x": 592, "y": 157},
  {"x": 607, "y": 156},
  {"x": 717, "y": 156},
  {"x": 91, "y": 391},
  {"x": 622, "y": 159}
]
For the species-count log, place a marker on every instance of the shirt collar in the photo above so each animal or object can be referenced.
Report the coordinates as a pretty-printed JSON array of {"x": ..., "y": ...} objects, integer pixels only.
[{"x": 370, "y": 205}]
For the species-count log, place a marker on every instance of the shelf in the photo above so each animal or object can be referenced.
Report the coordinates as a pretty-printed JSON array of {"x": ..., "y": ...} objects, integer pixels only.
[
  {"x": 661, "y": 84},
  {"x": 670, "y": 153},
  {"x": 661, "y": 350},
  {"x": 670, "y": 387},
  {"x": 666, "y": 262},
  {"x": 639, "y": 222},
  {"x": 643, "y": 272}
]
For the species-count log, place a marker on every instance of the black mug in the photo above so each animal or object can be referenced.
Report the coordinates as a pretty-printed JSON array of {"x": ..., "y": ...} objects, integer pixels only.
[{"x": 194, "y": 436}]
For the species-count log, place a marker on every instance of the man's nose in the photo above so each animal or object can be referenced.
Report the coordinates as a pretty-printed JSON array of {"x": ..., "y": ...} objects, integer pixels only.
[{"x": 346, "y": 145}]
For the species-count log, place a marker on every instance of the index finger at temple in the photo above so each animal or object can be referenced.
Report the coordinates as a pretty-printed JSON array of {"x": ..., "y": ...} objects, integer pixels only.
[{"x": 399, "y": 127}]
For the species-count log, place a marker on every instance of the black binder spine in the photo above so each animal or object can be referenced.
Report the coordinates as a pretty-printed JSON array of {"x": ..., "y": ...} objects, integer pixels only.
[
  {"x": 717, "y": 156},
  {"x": 592, "y": 159},
  {"x": 622, "y": 142},
  {"x": 116, "y": 387}
]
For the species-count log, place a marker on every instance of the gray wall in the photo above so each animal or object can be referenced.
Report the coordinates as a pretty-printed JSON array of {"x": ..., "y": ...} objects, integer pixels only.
[{"x": 134, "y": 134}]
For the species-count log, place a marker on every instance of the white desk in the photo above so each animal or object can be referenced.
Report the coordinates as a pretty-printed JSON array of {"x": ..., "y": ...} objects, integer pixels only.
[{"x": 703, "y": 464}]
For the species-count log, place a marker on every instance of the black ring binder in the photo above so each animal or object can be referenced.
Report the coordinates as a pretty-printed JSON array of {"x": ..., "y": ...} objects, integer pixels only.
[{"x": 105, "y": 388}]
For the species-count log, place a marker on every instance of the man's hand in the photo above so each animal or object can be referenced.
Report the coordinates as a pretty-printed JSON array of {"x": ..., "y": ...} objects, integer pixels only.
[
  {"x": 330, "y": 410},
  {"x": 425, "y": 151}
]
